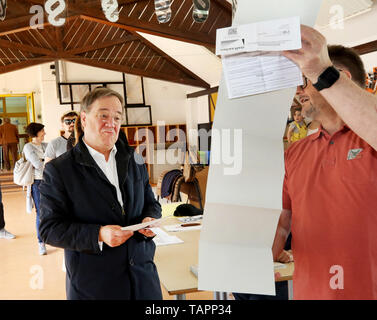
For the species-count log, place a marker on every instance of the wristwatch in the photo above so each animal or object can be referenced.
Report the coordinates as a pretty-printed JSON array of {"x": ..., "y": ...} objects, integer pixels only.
[{"x": 327, "y": 78}]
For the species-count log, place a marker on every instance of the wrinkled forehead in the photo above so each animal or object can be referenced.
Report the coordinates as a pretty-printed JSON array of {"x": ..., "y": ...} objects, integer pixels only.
[{"x": 110, "y": 110}]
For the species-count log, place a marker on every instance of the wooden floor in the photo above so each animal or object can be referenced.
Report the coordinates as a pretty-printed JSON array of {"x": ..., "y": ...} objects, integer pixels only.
[{"x": 24, "y": 274}]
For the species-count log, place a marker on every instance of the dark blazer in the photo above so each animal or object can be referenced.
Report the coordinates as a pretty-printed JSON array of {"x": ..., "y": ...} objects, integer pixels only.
[{"x": 76, "y": 200}]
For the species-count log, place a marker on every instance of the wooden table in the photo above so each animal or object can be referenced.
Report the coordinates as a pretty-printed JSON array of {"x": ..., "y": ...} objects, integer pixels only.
[{"x": 173, "y": 262}]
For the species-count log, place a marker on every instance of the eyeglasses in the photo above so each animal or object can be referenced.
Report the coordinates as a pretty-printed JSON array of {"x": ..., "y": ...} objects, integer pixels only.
[
  {"x": 69, "y": 121},
  {"x": 304, "y": 82}
]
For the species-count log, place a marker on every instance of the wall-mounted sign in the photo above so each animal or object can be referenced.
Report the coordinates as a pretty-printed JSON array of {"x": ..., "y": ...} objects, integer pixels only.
[{"x": 3, "y": 8}]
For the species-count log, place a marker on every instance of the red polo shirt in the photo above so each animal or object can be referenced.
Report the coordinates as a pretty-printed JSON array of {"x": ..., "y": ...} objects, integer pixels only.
[{"x": 330, "y": 186}]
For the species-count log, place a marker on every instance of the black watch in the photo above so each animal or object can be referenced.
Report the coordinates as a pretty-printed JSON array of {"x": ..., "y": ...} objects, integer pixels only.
[{"x": 327, "y": 78}]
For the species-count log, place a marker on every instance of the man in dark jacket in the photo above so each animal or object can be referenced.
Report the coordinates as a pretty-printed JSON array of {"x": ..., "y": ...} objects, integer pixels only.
[{"x": 87, "y": 195}]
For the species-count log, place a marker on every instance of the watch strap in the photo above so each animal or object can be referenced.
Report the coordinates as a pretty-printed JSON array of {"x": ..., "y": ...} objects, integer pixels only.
[{"x": 327, "y": 78}]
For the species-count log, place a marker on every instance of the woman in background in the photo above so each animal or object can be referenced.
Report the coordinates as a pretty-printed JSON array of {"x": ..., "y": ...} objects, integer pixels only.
[{"x": 34, "y": 152}]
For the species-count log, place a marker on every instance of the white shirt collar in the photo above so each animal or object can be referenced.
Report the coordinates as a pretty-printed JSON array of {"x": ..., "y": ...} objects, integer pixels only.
[{"x": 98, "y": 155}]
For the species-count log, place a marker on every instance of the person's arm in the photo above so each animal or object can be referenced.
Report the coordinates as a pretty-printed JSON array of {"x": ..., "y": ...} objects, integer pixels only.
[
  {"x": 356, "y": 107},
  {"x": 32, "y": 156},
  {"x": 284, "y": 225},
  {"x": 289, "y": 134},
  {"x": 282, "y": 232},
  {"x": 50, "y": 152}
]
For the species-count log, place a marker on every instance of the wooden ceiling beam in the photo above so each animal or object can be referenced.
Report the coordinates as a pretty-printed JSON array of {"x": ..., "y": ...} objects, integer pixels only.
[
  {"x": 59, "y": 39},
  {"x": 20, "y": 24},
  {"x": 224, "y": 4},
  {"x": 27, "y": 48},
  {"x": 24, "y": 64},
  {"x": 366, "y": 48},
  {"x": 202, "y": 93},
  {"x": 14, "y": 25},
  {"x": 102, "y": 45},
  {"x": 131, "y": 24},
  {"x": 135, "y": 71},
  {"x": 154, "y": 29}
]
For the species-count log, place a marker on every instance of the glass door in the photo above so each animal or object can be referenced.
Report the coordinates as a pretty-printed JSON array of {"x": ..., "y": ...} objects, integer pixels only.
[{"x": 19, "y": 108}]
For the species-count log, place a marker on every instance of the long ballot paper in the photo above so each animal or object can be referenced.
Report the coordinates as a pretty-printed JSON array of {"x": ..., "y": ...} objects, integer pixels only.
[{"x": 242, "y": 209}]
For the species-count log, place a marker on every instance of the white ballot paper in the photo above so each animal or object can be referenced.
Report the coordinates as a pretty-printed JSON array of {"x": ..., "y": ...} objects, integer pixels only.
[
  {"x": 164, "y": 239},
  {"x": 242, "y": 208},
  {"x": 143, "y": 225},
  {"x": 257, "y": 72},
  {"x": 258, "y": 65},
  {"x": 242, "y": 241},
  {"x": 272, "y": 35}
]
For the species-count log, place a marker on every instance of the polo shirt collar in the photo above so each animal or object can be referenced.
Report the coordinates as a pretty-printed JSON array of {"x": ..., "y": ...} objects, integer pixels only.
[{"x": 322, "y": 132}]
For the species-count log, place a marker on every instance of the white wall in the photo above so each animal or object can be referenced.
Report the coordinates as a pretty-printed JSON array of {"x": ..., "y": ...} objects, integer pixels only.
[{"x": 51, "y": 108}]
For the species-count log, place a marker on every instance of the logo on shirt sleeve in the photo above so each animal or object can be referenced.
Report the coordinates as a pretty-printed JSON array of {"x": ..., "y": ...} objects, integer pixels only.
[{"x": 354, "y": 154}]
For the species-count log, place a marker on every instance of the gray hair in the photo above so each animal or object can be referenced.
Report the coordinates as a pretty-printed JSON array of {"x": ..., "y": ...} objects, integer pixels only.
[{"x": 96, "y": 94}]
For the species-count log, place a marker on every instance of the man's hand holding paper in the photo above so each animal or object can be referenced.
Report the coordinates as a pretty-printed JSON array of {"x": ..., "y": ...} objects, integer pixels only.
[
  {"x": 313, "y": 57},
  {"x": 252, "y": 59},
  {"x": 113, "y": 235}
]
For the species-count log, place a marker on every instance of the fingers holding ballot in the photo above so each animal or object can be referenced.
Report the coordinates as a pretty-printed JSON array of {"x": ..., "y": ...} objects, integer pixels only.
[
  {"x": 148, "y": 232},
  {"x": 113, "y": 235},
  {"x": 313, "y": 57}
]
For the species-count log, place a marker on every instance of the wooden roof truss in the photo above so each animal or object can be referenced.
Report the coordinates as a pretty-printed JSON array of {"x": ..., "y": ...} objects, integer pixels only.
[{"x": 87, "y": 37}]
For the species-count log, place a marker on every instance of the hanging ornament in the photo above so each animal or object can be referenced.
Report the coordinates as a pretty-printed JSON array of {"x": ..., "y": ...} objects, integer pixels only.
[
  {"x": 201, "y": 10},
  {"x": 3, "y": 9},
  {"x": 53, "y": 13},
  {"x": 162, "y": 10},
  {"x": 110, "y": 9},
  {"x": 234, "y": 8}
]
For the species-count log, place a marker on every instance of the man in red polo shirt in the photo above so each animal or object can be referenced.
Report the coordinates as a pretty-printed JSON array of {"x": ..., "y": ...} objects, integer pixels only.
[{"x": 330, "y": 194}]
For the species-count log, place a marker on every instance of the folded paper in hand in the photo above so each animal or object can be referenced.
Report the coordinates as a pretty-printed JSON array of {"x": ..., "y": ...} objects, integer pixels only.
[{"x": 143, "y": 225}]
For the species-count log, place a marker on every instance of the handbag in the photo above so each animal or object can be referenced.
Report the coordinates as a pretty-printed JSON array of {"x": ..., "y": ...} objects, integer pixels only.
[{"x": 23, "y": 172}]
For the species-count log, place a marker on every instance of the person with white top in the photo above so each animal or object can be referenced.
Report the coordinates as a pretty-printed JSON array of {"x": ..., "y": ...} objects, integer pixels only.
[
  {"x": 58, "y": 146},
  {"x": 34, "y": 152}
]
